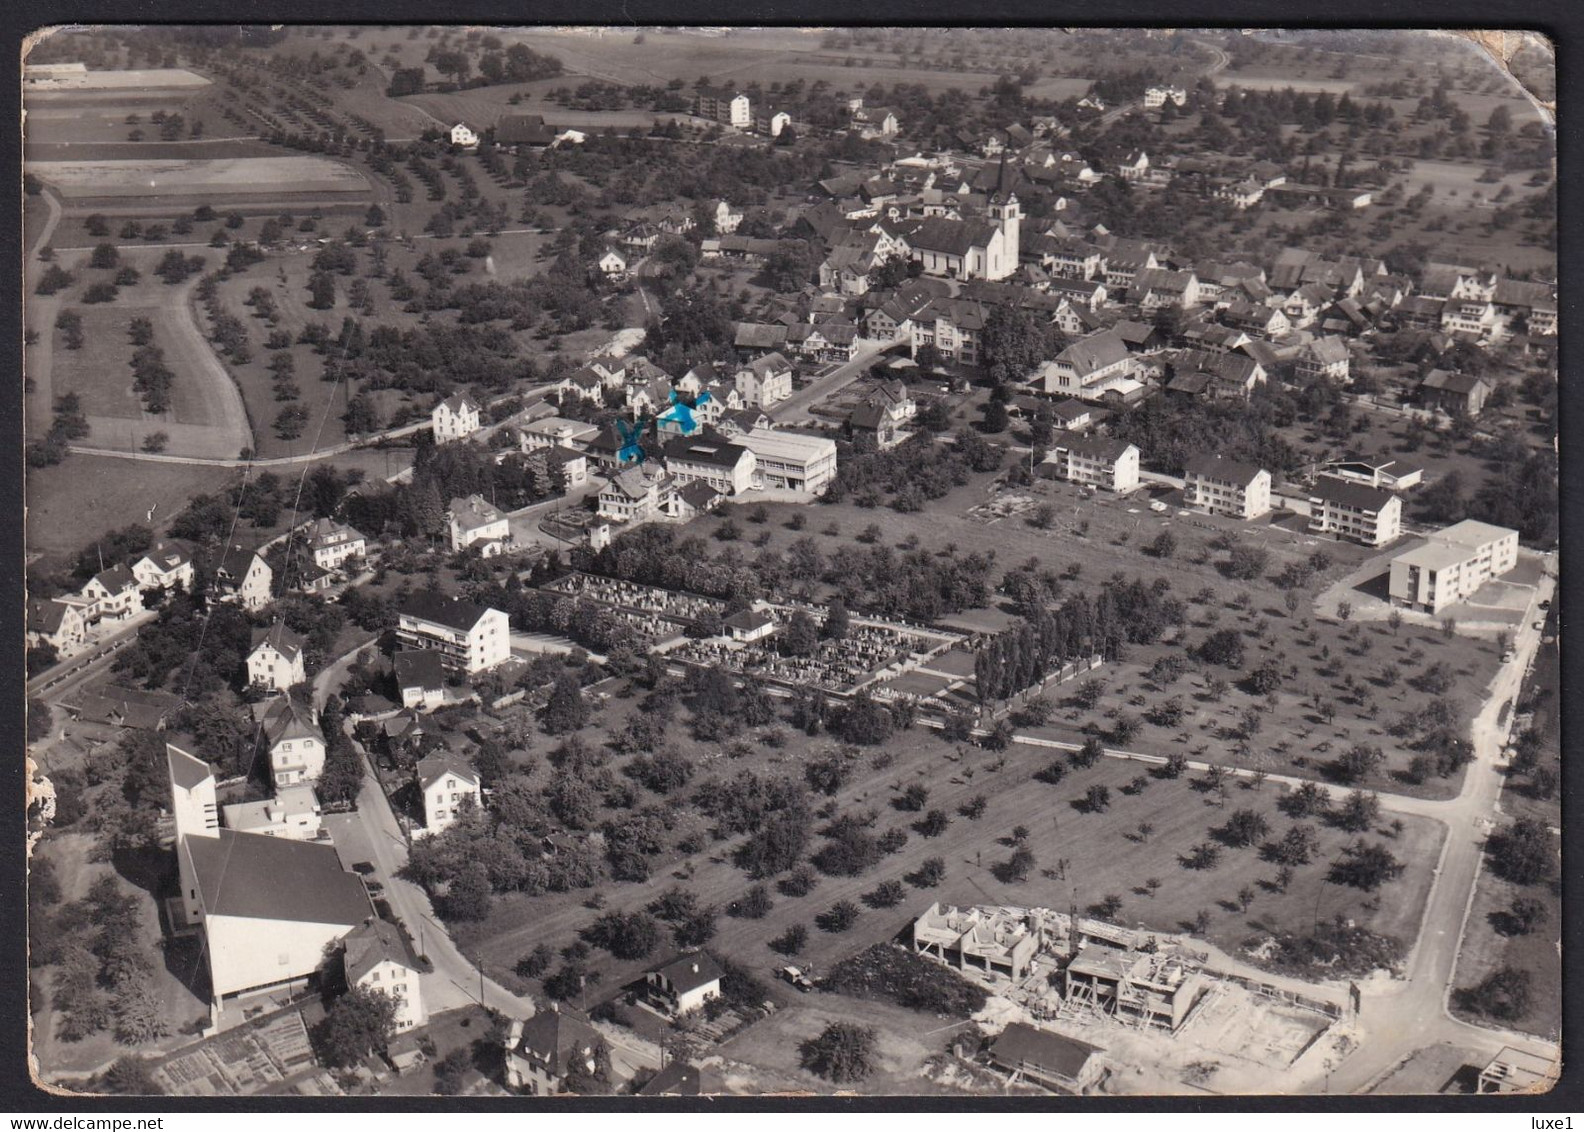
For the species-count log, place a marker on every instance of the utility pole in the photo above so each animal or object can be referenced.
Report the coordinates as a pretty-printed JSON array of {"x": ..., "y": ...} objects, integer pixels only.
[{"x": 479, "y": 963}]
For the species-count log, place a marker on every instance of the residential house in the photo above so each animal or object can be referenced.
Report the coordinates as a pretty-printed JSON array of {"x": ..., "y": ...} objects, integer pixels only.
[
  {"x": 375, "y": 957},
  {"x": 772, "y": 122},
  {"x": 1454, "y": 393},
  {"x": 1157, "y": 96},
  {"x": 1454, "y": 563},
  {"x": 420, "y": 678},
  {"x": 1256, "y": 318},
  {"x": 476, "y": 522},
  {"x": 683, "y": 985},
  {"x": 1046, "y": 1058},
  {"x": 1226, "y": 487},
  {"x": 830, "y": 341},
  {"x": 690, "y": 501},
  {"x": 634, "y": 494},
  {"x": 1241, "y": 195},
  {"x": 60, "y": 624},
  {"x": 1233, "y": 375},
  {"x": 163, "y": 566},
  {"x": 112, "y": 595},
  {"x": 765, "y": 381},
  {"x": 276, "y": 661},
  {"x": 469, "y": 638},
  {"x": 1352, "y": 511},
  {"x": 681, "y": 1078},
  {"x": 1323, "y": 357},
  {"x": 953, "y": 327},
  {"x": 612, "y": 264},
  {"x": 294, "y": 812},
  {"x": 726, "y": 217},
  {"x": 726, "y": 466},
  {"x": 269, "y": 907},
  {"x": 1304, "y": 305},
  {"x": 787, "y": 461},
  {"x": 1095, "y": 460},
  {"x": 455, "y": 418},
  {"x": 448, "y": 786},
  {"x": 296, "y": 746},
  {"x": 333, "y": 544},
  {"x": 553, "y": 1045},
  {"x": 1157, "y": 288},
  {"x": 551, "y": 432},
  {"x": 463, "y": 135},
  {"x": 1088, "y": 368},
  {"x": 132, "y": 708},
  {"x": 1134, "y": 167}
]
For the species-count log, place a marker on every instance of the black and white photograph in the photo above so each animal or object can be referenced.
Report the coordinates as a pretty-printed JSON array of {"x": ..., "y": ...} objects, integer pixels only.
[{"x": 968, "y": 563}]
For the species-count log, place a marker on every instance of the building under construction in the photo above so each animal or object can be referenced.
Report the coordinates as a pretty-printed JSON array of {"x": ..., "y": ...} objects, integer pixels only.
[
  {"x": 993, "y": 941},
  {"x": 1141, "y": 988}
]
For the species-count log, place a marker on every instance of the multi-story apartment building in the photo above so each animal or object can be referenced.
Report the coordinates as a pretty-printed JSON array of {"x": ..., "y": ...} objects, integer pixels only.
[
  {"x": 469, "y": 638},
  {"x": 1352, "y": 511},
  {"x": 1226, "y": 487}
]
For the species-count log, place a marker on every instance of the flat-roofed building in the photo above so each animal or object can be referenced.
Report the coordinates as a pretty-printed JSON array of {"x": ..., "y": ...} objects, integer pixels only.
[
  {"x": 789, "y": 460},
  {"x": 1452, "y": 565}
]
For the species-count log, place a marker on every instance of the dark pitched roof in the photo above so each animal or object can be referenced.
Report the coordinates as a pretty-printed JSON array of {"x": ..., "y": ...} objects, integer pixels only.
[
  {"x": 1095, "y": 447},
  {"x": 254, "y": 876},
  {"x": 689, "y": 972},
  {"x": 287, "y": 719},
  {"x": 1223, "y": 469},
  {"x": 370, "y": 944},
  {"x": 718, "y": 453},
  {"x": 116, "y": 578},
  {"x": 523, "y": 129},
  {"x": 684, "y": 1079},
  {"x": 1022, "y": 1044},
  {"x": 1451, "y": 382},
  {"x": 950, "y": 237},
  {"x": 698, "y": 495},
  {"x": 760, "y": 336},
  {"x": 45, "y": 614},
  {"x": 1352, "y": 495},
  {"x": 441, "y": 763},
  {"x": 419, "y": 668},
  {"x": 749, "y": 619},
  {"x": 557, "y": 1035},
  {"x": 282, "y": 639},
  {"x": 1095, "y": 352},
  {"x": 452, "y": 612}
]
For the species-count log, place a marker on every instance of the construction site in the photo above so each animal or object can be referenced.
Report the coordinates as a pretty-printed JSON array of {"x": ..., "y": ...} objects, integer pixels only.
[{"x": 1160, "y": 1019}]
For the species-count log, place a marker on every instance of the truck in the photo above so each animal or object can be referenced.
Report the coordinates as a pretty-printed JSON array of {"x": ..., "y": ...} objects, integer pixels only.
[{"x": 798, "y": 978}]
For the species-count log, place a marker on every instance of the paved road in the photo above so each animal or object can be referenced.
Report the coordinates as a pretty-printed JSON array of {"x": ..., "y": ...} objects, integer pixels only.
[
  {"x": 454, "y": 982},
  {"x": 796, "y": 408}
]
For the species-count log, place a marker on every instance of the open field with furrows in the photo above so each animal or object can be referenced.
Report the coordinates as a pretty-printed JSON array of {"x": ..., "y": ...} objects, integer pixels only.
[
  {"x": 209, "y": 149},
  {"x": 50, "y": 123},
  {"x": 1096, "y": 853},
  {"x": 328, "y": 217},
  {"x": 154, "y": 79},
  {"x": 164, "y": 177},
  {"x": 1294, "y": 735},
  {"x": 1493, "y": 941}
]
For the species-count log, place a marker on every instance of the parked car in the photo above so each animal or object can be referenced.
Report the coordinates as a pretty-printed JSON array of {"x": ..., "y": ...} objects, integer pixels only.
[{"x": 364, "y": 868}]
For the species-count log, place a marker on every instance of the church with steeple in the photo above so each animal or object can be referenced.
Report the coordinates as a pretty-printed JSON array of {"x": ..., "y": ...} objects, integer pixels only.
[{"x": 969, "y": 249}]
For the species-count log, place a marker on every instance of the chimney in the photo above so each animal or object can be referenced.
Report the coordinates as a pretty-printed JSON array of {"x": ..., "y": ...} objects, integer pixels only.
[{"x": 695, "y": 968}]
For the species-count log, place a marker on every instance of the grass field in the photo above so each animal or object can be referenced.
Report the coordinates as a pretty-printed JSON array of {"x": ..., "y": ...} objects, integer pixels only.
[
  {"x": 161, "y": 177},
  {"x": 70, "y": 504},
  {"x": 1487, "y": 947}
]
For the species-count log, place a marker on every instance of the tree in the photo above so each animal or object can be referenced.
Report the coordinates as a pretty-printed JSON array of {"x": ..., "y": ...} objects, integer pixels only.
[
  {"x": 1365, "y": 865},
  {"x": 155, "y": 442},
  {"x": 105, "y": 256},
  {"x": 131, "y": 1077},
  {"x": 39, "y": 720},
  {"x": 1357, "y": 763},
  {"x": 1297, "y": 845},
  {"x": 842, "y": 1053},
  {"x": 321, "y": 290},
  {"x": 837, "y": 622},
  {"x": 631, "y": 935},
  {"x": 1224, "y": 647},
  {"x": 1504, "y": 994},
  {"x": 1097, "y": 799},
  {"x": 930, "y": 873},
  {"x": 934, "y": 823},
  {"x": 567, "y": 710},
  {"x": 1527, "y": 914},
  {"x": 1524, "y": 852},
  {"x": 1244, "y": 828},
  {"x": 755, "y": 904},
  {"x": 1205, "y": 855},
  {"x": 1359, "y": 811},
  {"x": 839, "y": 917},
  {"x": 359, "y": 1023},
  {"x": 1019, "y": 865},
  {"x": 792, "y": 941}
]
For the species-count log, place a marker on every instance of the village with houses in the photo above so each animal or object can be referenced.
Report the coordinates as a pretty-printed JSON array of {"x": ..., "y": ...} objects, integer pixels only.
[{"x": 955, "y": 568}]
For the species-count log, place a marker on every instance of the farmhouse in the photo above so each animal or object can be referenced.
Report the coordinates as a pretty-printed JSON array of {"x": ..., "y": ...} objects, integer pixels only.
[
  {"x": 420, "y": 678},
  {"x": 375, "y": 957},
  {"x": 455, "y": 418},
  {"x": 276, "y": 661},
  {"x": 1226, "y": 487},
  {"x": 475, "y": 521},
  {"x": 1368, "y": 515},
  {"x": 447, "y": 785},
  {"x": 1095, "y": 460},
  {"x": 515, "y": 130},
  {"x": 469, "y": 638},
  {"x": 260, "y": 934},
  {"x": 1455, "y": 562},
  {"x": 463, "y": 135},
  {"x": 1323, "y": 357},
  {"x": 683, "y": 985}
]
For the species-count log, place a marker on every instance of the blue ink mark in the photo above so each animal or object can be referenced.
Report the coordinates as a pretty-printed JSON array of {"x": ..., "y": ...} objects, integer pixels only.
[{"x": 631, "y": 434}]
